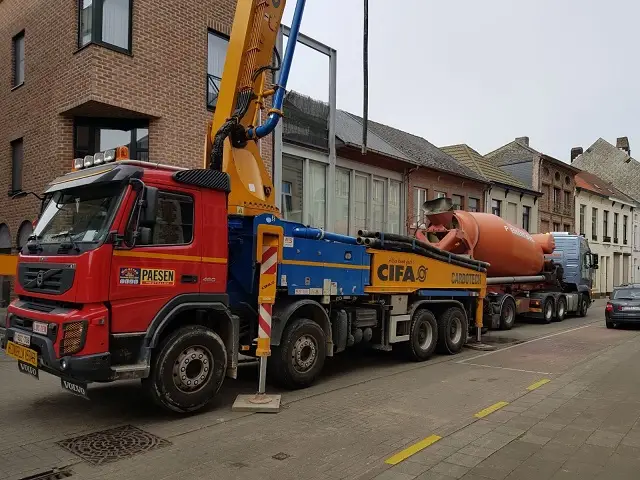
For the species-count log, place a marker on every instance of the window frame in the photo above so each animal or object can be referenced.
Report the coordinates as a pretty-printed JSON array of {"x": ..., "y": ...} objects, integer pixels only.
[
  {"x": 526, "y": 213},
  {"x": 225, "y": 37},
  {"x": 20, "y": 36},
  {"x": 13, "y": 144},
  {"x": 112, "y": 124},
  {"x": 96, "y": 28},
  {"x": 582, "y": 215},
  {"x": 477, "y": 206},
  {"x": 418, "y": 216},
  {"x": 497, "y": 208}
]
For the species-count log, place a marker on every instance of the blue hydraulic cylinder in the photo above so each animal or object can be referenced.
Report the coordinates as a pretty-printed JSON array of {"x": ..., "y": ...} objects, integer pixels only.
[
  {"x": 319, "y": 234},
  {"x": 278, "y": 99}
]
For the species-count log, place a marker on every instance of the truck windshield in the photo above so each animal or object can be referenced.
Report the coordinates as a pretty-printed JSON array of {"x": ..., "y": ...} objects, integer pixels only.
[{"x": 80, "y": 216}]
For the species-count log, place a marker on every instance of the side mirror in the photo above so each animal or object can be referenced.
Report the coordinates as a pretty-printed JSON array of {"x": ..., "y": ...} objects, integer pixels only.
[
  {"x": 149, "y": 208},
  {"x": 145, "y": 236}
]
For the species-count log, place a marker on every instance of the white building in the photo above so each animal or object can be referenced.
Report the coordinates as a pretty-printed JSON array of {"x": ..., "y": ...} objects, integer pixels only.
[{"x": 605, "y": 217}]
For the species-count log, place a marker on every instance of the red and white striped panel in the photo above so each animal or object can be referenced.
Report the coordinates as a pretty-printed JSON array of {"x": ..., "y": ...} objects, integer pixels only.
[
  {"x": 269, "y": 260},
  {"x": 264, "y": 320}
]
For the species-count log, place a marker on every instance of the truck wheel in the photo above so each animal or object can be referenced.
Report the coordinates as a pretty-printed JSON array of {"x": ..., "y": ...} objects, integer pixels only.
[
  {"x": 453, "y": 329},
  {"x": 561, "y": 309},
  {"x": 299, "y": 359},
  {"x": 507, "y": 314},
  {"x": 584, "y": 305},
  {"x": 547, "y": 310},
  {"x": 423, "y": 336},
  {"x": 188, "y": 369}
]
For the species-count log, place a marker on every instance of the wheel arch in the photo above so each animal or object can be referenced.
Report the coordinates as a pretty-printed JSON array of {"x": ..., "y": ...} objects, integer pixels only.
[{"x": 306, "y": 308}]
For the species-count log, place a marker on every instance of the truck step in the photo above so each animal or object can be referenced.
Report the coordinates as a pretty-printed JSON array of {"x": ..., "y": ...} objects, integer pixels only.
[{"x": 123, "y": 372}]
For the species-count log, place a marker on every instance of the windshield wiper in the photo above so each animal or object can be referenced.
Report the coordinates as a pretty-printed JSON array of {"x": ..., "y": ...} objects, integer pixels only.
[{"x": 72, "y": 243}]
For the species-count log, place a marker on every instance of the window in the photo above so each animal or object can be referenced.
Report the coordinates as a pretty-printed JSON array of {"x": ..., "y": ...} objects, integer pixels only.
[
  {"x": 317, "y": 194},
  {"x": 419, "y": 197},
  {"x": 474, "y": 205},
  {"x": 615, "y": 227},
  {"x": 105, "y": 22},
  {"x": 440, "y": 194},
  {"x": 459, "y": 201},
  {"x": 594, "y": 223},
  {"x": 393, "y": 225},
  {"x": 526, "y": 217},
  {"x": 496, "y": 206},
  {"x": 361, "y": 195},
  {"x": 556, "y": 227},
  {"x": 556, "y": 196},
  {"x": 605, "y": 225},
  {"x": 216, "y": 53},
  {"x": 18, "y": 59},
  {"x": 292, "y": 188},
  {"x": 625, "y": 222},
  {"x": 174, "y": 220},
  {"x": 17, "y": 158},
  {"x": 567, "y": 200},
  {"x": 343, "y": 181},
  {"x": 377, "y": 204},
  {"x": 583, "y": 209},
  {"x": 97, "y": 135},
  {"x": 566, "y": 228}
]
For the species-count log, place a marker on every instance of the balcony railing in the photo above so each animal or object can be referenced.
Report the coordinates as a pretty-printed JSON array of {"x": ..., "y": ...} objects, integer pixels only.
[{"x": 213, "y": 90}]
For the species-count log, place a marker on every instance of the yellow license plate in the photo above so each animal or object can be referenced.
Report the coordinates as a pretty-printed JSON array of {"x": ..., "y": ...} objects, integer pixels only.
[{"x": 23, "y": 354}]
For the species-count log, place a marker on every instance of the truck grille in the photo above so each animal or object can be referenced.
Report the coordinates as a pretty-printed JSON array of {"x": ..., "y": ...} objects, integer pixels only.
[{"x": 53, "y": 279}]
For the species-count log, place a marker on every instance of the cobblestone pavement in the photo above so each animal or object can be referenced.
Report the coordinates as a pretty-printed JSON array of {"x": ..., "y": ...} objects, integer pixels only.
[{"x": 364, "y": 412}]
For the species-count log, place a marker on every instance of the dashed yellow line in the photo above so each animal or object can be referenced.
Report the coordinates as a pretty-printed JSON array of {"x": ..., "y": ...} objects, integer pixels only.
[
  {"x": 412, "y": 450},
  {"x": 491, "y": 409},
  {"x": 538, "y": 384}
]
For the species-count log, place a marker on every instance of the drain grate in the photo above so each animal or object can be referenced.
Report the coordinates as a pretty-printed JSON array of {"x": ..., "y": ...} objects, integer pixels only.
[
  {"x": 55, "y": 474},
  {"x": 113, "y": 444}
]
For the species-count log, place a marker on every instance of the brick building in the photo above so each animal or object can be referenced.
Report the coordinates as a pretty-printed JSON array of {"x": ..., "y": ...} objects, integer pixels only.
[
  {"x": 82, "y": 76},
  {"x": 553, "y": 177}
]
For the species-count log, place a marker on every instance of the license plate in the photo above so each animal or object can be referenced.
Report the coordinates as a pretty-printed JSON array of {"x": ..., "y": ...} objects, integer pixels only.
[
  {"x": 22, "y": 354},
  {"x": 75, "y": 387},
  {"x": 22, "y": 339},
  {"x": 28, "y": 369},
  {"x": 41, "y": 328},
  {"x": 634, "y": 309}
]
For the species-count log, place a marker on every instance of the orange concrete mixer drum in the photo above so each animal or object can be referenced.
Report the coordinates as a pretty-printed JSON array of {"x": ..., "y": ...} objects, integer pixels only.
[{"x": 510, "y": 250}]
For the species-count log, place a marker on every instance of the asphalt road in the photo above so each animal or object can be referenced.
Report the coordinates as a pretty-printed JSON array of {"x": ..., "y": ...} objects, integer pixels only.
[{"x": 364, "y": 411}]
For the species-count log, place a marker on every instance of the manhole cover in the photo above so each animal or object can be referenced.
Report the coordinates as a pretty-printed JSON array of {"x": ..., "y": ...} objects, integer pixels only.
[
  {"x": 55, "y": 474},
  {"x": 113, "y": 444},
  {"x": 501, "y": 340},
  {"x": 281, "y": 456}
]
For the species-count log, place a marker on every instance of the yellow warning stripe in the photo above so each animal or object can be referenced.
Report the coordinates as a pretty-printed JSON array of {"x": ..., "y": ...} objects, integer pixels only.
[
  {"x": 491, "y": 409},
  {"x": 167, "y": 256},
  {"x": 412, "y": 450},
  {"x": 538, "y": 384},
  {"x": 325, "y": 264}
]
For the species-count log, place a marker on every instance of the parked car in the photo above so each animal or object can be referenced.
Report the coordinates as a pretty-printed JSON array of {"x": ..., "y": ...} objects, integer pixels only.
[{"x": 623, "y": 306}]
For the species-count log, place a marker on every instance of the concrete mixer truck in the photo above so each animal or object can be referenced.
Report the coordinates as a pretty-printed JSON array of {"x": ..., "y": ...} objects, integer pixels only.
[{"x": 543, "y": 276}]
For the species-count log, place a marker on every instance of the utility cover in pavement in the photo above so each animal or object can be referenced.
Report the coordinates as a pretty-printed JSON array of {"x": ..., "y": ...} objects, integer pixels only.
[{"x": 113, "y": 444}]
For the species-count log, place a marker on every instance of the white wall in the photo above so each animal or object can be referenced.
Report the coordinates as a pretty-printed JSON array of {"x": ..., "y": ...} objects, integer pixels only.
[
  {"x": 512, "y": 206},
  {"x": 612, "y": 269}
]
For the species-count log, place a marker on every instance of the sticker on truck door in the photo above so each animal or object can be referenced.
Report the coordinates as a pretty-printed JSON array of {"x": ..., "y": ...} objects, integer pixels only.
[{"x": 146, "y": 276}]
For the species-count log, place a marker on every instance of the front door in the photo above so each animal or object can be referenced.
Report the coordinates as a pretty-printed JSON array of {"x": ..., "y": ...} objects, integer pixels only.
[{"x": 145, "y": 278}]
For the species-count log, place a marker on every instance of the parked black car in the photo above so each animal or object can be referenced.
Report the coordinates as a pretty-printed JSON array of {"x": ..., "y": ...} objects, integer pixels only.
[{"x": 623, "y": 306}]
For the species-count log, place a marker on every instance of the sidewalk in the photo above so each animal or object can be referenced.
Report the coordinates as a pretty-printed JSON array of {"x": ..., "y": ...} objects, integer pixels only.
[{"x": 583, "y": 425}]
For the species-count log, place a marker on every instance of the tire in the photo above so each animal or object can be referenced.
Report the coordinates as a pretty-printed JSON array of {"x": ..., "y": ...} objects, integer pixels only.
[
  {"x": 561, "y": 309},
  {"x": 584, "y": 306},
  {"x": 299, "y": 359},
  {"x": 548, "y": 312},
  {"x": 182, "y": 360},
  {"x": 507, "y": 314},
  {"x": 423, "y": 336},
  {"x": 610, "y": 324},
  {"x": 453, "y": 328}
]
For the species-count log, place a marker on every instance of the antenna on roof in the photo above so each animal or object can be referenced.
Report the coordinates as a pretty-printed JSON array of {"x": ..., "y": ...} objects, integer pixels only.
[{"x": 365, "y": 71}]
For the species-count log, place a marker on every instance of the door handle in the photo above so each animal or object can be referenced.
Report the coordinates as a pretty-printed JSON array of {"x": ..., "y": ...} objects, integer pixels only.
[{"x": 189, "y": 279}]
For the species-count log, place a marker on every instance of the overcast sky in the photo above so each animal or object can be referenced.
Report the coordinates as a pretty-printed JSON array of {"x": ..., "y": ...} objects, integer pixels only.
[{"x": 482, "y": 72}]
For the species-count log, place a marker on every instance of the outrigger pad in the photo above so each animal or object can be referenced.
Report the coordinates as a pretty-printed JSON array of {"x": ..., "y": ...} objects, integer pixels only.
[{"x": 253, "y": 403}]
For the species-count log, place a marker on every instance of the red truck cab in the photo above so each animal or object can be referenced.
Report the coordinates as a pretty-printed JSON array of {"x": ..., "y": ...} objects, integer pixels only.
[{"x": 127, "y": 260}]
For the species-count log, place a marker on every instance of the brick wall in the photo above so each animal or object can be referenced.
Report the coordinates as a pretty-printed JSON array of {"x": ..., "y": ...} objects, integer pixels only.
[
  {"x": 551, "y": 175},
  {"x": 164, "y": 80}
]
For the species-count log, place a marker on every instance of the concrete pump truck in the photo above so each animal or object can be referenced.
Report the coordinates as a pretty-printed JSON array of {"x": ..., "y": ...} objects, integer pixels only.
[{"x": 142, "y": 270}]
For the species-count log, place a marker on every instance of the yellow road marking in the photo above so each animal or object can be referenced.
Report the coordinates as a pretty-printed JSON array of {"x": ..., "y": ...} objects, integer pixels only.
[
  {"x": 538, "y": 384},
  {"x": 412, "y": 450},
  {"x": 491, "y": 409}
]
